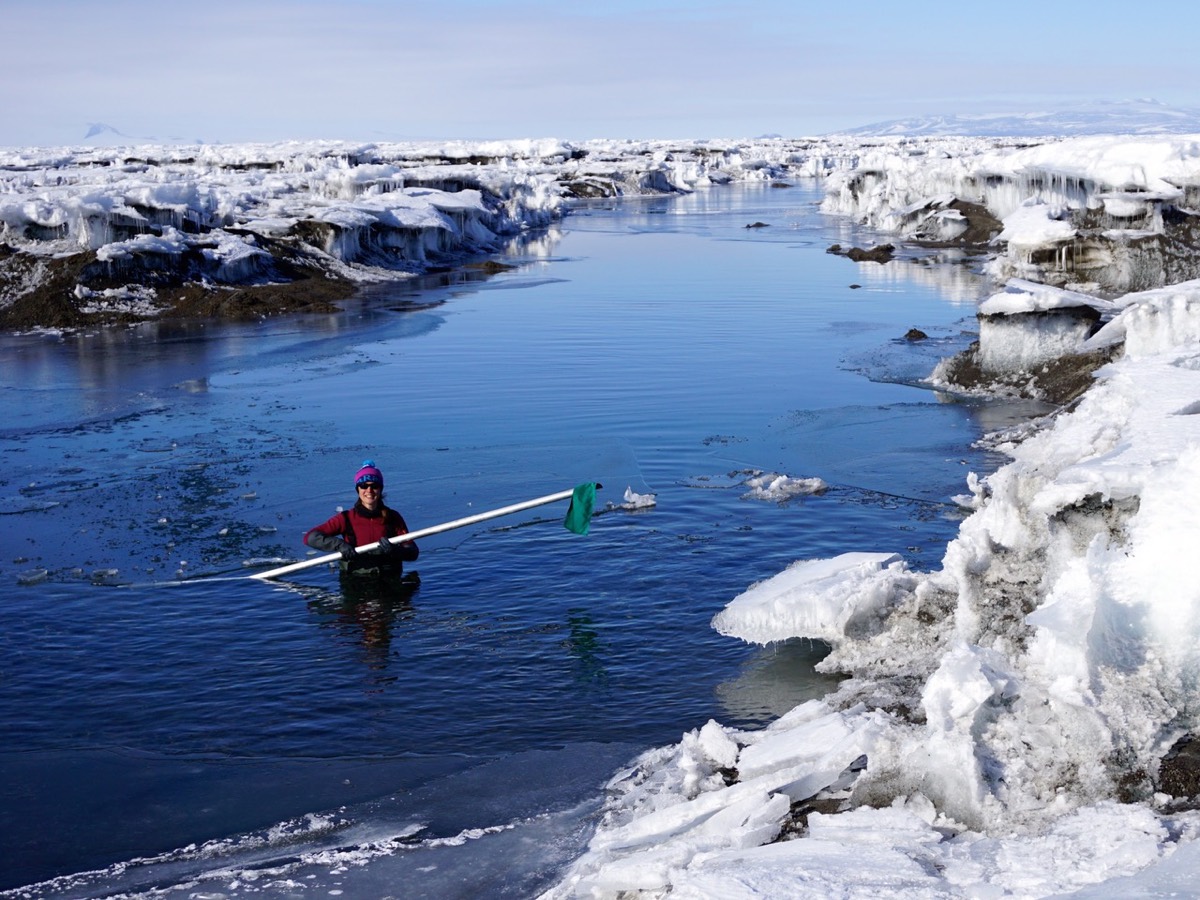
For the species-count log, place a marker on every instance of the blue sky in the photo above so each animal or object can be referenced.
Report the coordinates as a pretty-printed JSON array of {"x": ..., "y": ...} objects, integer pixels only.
[{"x": 264, "y": 70}]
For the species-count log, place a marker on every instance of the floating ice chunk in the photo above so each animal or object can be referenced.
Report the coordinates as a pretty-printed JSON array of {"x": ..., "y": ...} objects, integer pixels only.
[
  {"x": 256, "y": 562},
  {"x": 638, "y": 501},
  {"x": 822, "y": 598},
  {"x": 33, "y": 576},
  {"x": 777, "y": 488}
]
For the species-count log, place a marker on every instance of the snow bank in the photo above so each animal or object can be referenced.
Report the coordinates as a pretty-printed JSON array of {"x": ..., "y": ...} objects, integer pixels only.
[
  {"x": 1003, "y": 719},
  {"x": 252, "y": 214},
  {"x": 1088, "y": 211},
  {"x": 1011, "y": 707},
  {"x": 1116, "y": 214}
]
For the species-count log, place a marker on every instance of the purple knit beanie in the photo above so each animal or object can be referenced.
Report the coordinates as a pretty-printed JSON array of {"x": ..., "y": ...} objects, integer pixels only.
[{"x": 368, "y": 473}]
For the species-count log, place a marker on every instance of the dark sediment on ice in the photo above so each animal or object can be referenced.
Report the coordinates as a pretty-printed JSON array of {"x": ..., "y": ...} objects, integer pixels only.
[
  {"x": 1179, "y": 773},
  {"x": 1058, "y": 381},
  {"x": 46, "y": 291},
  {"x": 46, "y": 294}
]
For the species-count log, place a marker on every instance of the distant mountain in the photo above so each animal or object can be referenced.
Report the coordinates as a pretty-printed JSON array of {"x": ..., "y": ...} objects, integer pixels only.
[
  {"x": 100, "y": 134},
  {"x": 1098, "y": 117}
]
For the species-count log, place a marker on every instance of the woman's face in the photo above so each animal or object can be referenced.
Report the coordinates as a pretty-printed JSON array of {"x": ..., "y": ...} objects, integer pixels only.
[{"x": 370, "y": 494}]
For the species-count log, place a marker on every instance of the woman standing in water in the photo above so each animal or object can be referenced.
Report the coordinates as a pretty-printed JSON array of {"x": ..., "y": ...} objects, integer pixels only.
[{"x": 369, "y": 521}]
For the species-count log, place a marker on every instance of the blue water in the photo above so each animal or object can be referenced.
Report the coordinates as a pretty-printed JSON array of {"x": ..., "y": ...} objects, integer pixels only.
[{"x": 152, "y": 697}]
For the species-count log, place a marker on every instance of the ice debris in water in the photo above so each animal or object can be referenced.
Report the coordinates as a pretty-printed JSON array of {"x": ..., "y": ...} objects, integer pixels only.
[
  {"x": 638, "y": 501},
  {"x": 33, "y": 576},
  {"x": 258, "y": 561},
  {"x": 776, "y": 487}
]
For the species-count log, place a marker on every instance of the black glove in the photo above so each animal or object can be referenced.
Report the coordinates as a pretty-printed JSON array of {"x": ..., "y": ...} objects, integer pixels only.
[
  {"x": 330, "y": 544},
  {"x": 385, "y": 547}
]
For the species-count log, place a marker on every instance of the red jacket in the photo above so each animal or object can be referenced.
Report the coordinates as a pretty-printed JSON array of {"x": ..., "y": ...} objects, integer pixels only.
[{"x": 358, "y": 527}]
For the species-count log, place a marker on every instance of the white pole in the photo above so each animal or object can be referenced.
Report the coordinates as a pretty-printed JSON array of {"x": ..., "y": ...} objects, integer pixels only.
[{"x": 419, "y": 533}]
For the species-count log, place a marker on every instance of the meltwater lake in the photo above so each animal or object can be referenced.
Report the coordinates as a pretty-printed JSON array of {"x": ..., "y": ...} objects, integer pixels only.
[{"x": 174, "y": 728}]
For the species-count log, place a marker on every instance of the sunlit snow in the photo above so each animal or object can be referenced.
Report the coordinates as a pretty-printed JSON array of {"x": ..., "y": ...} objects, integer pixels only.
[{"x": 1004, "y": 717}]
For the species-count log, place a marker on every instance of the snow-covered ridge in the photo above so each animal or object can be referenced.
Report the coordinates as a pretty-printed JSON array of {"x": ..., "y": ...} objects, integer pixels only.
[
  {"x": 1142, "y": 116},
  {"x": 1109, "y": 214},
  {"x": 161, "y": 217},
  {"x": 1104, "y": 214}
]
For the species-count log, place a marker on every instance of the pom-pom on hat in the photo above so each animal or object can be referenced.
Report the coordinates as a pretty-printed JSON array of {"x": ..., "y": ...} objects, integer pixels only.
[{"x": 368, "y": 474}]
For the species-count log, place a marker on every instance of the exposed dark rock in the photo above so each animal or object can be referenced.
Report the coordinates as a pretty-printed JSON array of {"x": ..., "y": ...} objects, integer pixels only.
[
  {"x": 316, "y": 294},
  {"x": 1179, "y": 771},
  {"x": 42, "y": 289},
  {"x": 758, "y": 225},
  {"x": 1153, "y": 245},
  {"x": 1133, "y": 785},
  {"x": 881, "y": 254},
  {"x": 979, "y": 226},
  {"x": 1095, "y": 515},
  {"x": 729, "y": 775},
  {"x": 915, "y": 334},
  {"x": 490, "y": 266},
  {"x": 45, "y": 292},
  {"x": 1057, "y": 381},
  {"x": 589, "y": 189}
]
